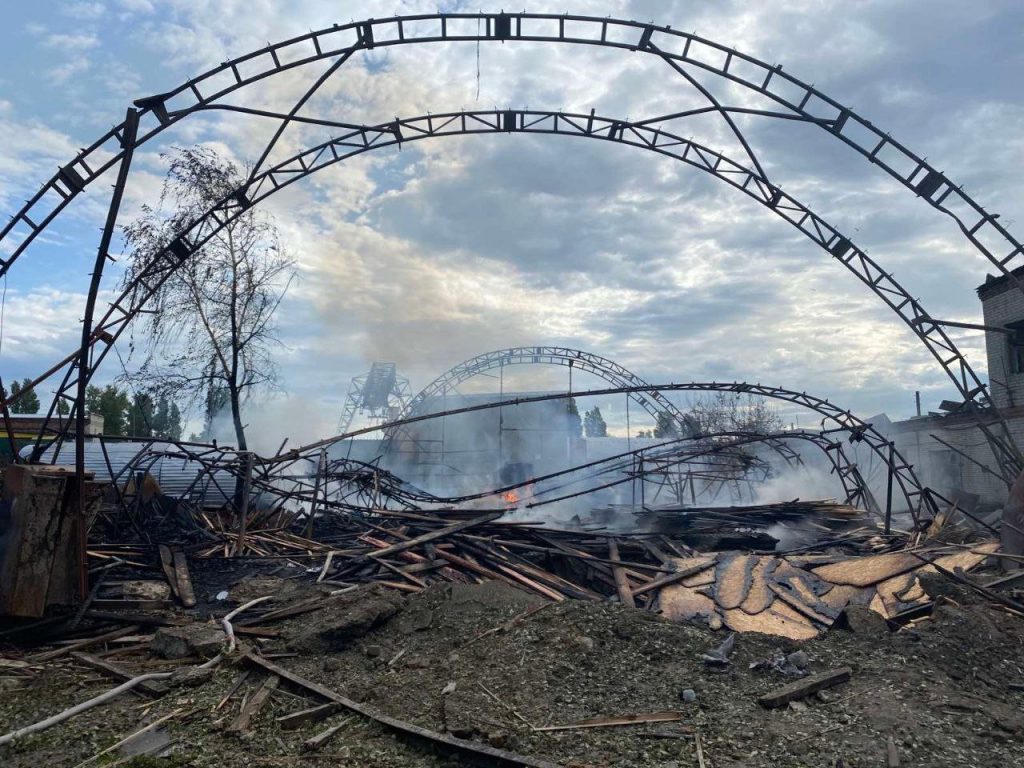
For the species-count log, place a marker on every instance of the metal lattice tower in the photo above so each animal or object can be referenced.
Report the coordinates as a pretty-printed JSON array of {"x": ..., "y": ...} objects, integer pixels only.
[{"x": 381, "y": 394}]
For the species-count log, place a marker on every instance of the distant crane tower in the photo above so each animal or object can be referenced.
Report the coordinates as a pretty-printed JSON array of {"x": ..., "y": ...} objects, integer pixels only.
[{"x": 381, "y": 394}]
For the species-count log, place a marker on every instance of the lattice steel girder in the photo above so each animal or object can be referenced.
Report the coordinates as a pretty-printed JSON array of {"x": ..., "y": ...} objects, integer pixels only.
[
  {"x": 652, "y": 402},
  {"x": 680, "y": 49},
  {"x": 363, "y": 139}
]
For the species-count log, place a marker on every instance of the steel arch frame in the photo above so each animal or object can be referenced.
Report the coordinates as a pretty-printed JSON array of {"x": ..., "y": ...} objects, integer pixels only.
[
  {"x": 834, "y": 420},
  {"x": 363, "y": 139},
  {"x": 678, "y": 49},
  {"x": 652, "y": 402}
]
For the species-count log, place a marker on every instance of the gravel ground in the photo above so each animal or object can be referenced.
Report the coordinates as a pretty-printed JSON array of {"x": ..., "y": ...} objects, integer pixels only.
[{"x": 939, "y": 691}]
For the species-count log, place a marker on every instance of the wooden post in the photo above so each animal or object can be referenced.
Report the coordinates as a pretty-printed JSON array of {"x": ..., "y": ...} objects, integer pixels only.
[
  {"x": 243, "y": 507},
  {"x": 8, "y": 426},
  {"x": 621, "y": 582}
]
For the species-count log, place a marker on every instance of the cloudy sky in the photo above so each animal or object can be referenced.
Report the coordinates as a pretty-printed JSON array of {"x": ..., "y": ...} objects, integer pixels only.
[{"x": 452, "y": 247}]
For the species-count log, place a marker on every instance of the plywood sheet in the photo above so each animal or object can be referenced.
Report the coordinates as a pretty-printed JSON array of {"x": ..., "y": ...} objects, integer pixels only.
[
  {"x": 680, "y": 603},
  {"x": 865, "y": 571},
  {"x": 878, "y": 606},
  {"x": 780, "y": 620},
  {"x": 888, "y": 589},
  {"x": 914, "y": 594},
  {"x": 808, "y": 610},
  {"x": 760, "y": 596},
  {"x": 802, "y": 582},
  {"x": 732, "y": 580},
  {"x": 966, "y": 559},
  {"x": 840, "y": 596}
]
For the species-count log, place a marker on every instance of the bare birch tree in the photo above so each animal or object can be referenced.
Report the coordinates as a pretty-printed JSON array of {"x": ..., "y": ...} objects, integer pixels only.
[
  {"x": 211, "y": 332},
  {"x": 730, "y": 412}
]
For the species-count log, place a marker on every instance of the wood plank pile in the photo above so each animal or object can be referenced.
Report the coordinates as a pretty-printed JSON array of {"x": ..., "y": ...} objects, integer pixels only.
[{"x": 795, "y": 595}]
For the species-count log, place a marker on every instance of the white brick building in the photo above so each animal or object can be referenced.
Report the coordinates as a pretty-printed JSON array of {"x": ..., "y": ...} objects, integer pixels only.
[{"x": 970, "y": 475}]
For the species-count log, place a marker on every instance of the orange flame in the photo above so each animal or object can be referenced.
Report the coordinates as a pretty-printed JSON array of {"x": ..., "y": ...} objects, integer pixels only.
[{"x": 510, "y": 497}]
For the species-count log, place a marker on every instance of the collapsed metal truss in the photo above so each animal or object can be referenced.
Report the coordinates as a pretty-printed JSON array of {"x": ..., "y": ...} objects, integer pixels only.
[
  {"x": 682, "y": 52},
  {"x": 204, "y": 478},
  {"x": 921, "y": 500}
]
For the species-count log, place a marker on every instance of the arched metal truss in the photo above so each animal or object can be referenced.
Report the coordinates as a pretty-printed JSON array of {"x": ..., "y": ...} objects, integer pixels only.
[
  {"x": 835, "y": 420},
  {"x": 683, "y": 53},
  {"x": 132, "y": 300},
  {"x": 653, "y": 403},
  {"x": 680, "y": 50}
]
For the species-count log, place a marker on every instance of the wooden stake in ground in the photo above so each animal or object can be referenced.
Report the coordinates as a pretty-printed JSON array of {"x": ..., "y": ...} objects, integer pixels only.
[{"x": 317, "y": 742}]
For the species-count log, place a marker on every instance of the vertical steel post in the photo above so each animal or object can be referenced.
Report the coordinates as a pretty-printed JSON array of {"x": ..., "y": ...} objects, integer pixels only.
[
  {"x": 888, "y": 489},
  {"x": 128, "y": 134}
]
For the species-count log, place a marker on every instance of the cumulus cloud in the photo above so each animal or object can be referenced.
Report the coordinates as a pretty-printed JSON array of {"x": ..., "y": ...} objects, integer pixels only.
[{"x": 443, "y": 249}]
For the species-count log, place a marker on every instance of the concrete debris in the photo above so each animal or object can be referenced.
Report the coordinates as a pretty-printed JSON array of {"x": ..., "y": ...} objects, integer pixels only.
[{"x": 200, "y": 640}]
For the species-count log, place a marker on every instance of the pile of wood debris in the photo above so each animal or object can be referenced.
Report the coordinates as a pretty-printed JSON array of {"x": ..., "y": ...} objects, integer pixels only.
[{"x": 795, "y": 596}]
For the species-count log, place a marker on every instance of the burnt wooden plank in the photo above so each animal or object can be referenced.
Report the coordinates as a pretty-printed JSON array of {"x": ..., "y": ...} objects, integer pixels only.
[
  {"x": 803, "y": 688},
  {"x": 621, "y": 582},
  {"x": 184, "y": 579}
]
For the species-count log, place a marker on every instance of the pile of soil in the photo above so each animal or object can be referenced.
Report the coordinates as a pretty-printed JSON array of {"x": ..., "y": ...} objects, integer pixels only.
[{"x": 942, "y": 692}]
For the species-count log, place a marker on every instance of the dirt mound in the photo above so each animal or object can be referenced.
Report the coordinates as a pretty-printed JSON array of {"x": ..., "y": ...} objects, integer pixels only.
[{"x": 494, "y": 664}]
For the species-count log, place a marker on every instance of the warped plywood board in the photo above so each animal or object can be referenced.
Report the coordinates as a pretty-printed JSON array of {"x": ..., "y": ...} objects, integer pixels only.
[
  {"x": 966, "y": 559},
  {"x": 732, "y": 580},
  {"x": 774, "y": 596},
  {"x": 890, "y": 589},
  {"x": 865, "y": 571},
  {"x": 760, "y": 595},
  {"x": 680, "y": 603},
  {"x": 878, "y": 606},
  {"x": 808, "y": 610},
  {"x": 841, "y": 596},
  {"x": 779, "y": 620}
]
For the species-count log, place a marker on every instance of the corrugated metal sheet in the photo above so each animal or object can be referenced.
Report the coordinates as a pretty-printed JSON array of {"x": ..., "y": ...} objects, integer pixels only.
[{"x": 175, "y": 474}]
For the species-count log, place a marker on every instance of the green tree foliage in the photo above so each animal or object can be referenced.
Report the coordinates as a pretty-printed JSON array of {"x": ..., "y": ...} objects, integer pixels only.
[
  {"x": 167, "y": 419},
  {"x": 593, "y": 423},
  {"x": 138, "y": 416},
  {"x": 141, "y": 415},
  {"x": 27, "y": 403},
  {"x": 113, "y": 405},
  {"x": 573, "y": 422}
]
